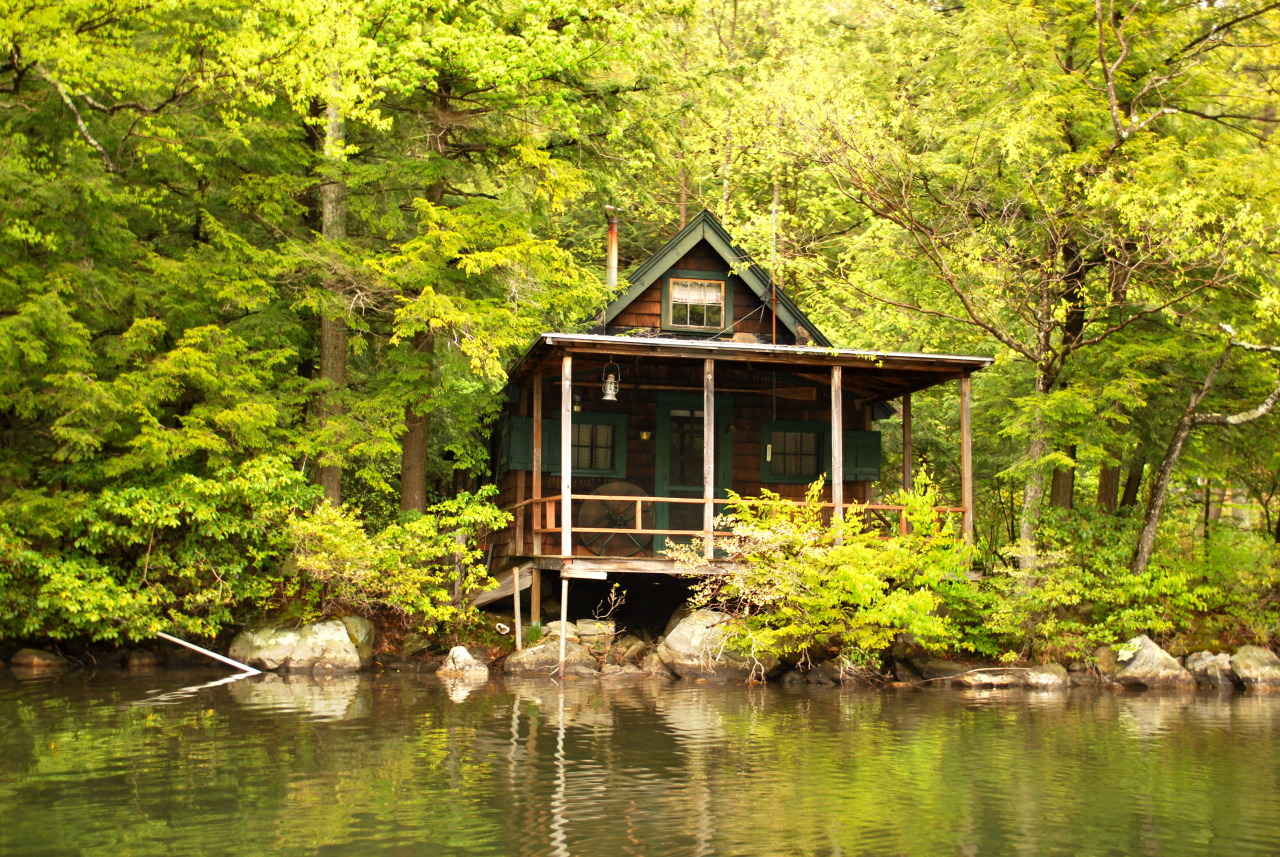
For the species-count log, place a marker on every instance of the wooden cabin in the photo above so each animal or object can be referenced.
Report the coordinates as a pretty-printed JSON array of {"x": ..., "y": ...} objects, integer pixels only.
[{"x": 700, "y": 378}]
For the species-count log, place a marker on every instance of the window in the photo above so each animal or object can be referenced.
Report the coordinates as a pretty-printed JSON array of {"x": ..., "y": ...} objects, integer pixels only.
[
  {"x": 593, "y": 447},
  {"x": 793, "y": 451},
  {"x": 599, "y": 445},
  {"x": 696, "y": 303}
]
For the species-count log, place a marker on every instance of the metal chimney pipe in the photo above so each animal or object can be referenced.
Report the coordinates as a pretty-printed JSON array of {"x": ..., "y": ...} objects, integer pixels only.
[{"x": 611, "y": 262}]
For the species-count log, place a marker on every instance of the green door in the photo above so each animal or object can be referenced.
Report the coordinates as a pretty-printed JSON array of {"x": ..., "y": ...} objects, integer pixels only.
[{"x": 679, "y": 466}]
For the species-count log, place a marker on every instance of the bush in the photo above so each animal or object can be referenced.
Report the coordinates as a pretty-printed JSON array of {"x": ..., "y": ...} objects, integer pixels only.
[
  {"x": 424, "y": 570},
  {"x": 792, "y": 582}
]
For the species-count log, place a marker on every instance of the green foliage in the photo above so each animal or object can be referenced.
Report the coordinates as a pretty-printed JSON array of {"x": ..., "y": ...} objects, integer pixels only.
[
  {"x": 424, "y": 570},
  {"x": 185, "y": 553},
  {"x": 1080, "y": 593},
  {"x": 792, "y": 582}
]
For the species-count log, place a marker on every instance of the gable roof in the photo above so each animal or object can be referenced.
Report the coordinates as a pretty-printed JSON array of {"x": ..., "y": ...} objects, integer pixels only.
[{"x": 705, "y": 226}]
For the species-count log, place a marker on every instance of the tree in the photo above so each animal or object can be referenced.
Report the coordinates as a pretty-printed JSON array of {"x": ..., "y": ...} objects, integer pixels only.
[{"x": 1051, "y": 175}]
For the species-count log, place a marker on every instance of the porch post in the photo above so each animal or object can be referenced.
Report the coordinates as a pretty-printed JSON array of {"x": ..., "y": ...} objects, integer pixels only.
[
  {"x": 908, "y": 465},
  {"x": 837, "y": 443},
  {"x": 566, "y": 455},
  {"x": 708, "y": 456},
  {"x": 966, "y": 456},
  {"x": 538, "y": 509}
]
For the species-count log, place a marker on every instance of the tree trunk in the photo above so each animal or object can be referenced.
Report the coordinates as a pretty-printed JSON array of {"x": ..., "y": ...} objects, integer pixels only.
[
  {"x": 1159, "y": 488},
  {"x": 333, "y": 326},
  {"x": 1108, "y": 487},
  {"x": 1033, "y": 495},
  {"x": 413, "y": 446},
  {"x": 1062, "y": 487},
  {"x": 1132, "y": 484}
]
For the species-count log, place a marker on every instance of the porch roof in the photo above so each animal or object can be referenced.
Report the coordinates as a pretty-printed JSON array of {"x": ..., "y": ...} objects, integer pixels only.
[{"x": 875, "y": 375}]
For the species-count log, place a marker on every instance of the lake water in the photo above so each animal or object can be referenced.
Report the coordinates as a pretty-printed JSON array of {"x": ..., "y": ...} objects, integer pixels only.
[{"x": 399, "y": 764}]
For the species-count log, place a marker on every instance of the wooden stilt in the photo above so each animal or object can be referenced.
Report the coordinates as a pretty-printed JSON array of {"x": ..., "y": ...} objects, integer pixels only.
[
  {"x": 537, "y": 466},
  {"x": 564, "y": 620},
  {"x": 966, "y": 456},
  {"x": 837, "y": 443},
  {"x": 708, "y": 457},
  {"x": 515, "y": 598},
  {"x": 566, "y": 456}
]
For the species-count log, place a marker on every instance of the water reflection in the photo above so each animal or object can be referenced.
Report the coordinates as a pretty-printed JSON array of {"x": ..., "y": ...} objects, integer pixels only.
[{"x": 405, "y": 764}]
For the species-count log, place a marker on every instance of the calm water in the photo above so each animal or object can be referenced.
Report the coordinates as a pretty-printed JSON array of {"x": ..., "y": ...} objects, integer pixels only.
[{"x": 404, "y": 765}]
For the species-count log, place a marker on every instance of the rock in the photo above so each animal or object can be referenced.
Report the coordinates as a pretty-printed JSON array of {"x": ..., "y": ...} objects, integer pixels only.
[
  {"x": 544, "y": 658},
  {"x": 593, "y": 629},
  {"x": 792, "y": 677},
  {"x": 682, "y": 613},
  {"x": 1211, "y": 670},
  {"x": 360, "y": 630},
  {"x": 553, "y": 630},
  {"x": 140, "y": 660},
  {"x": 904, "y": 672},
  {"x": 37, "y": 660},
  {"x": 628, "y": 649},
  {"x": 824, "y": 674},
  {"x": 695, "y": 648},
  {"x": 1047, "y": 677},
  {"x": 321, "y": 646},
  {"x": 1105, "y": 659},
  {"x": 992, "y": 678},
  {"x": 652, "y": 665},
  {"x": 460, "y": 663},
  {"x": 414, "y": 643},
  {"x": 935, "y": 668},
  {"x": 1083, "y": 679},
  {"x": 1256, "y": 667},
  {"x": 1141, "y": 663}
]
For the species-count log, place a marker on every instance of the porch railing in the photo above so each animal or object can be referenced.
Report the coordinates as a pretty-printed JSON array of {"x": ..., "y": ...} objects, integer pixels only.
[{"x": 536, "y": 518}]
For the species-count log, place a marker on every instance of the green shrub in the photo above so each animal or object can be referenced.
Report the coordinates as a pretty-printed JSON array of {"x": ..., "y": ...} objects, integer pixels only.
[{"x": 792, "y": 582}]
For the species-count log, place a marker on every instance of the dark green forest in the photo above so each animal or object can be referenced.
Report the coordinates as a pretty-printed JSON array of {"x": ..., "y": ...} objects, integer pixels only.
[{"x": 263, "y": 267}]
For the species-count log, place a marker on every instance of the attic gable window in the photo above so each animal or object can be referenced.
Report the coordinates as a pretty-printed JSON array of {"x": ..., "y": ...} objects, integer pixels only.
[{"x": 696, "y": 303}]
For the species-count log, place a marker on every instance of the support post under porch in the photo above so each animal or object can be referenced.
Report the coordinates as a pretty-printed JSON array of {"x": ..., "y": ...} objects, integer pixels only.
[
  {"x": 708, "y": 457},
  {"x": 837, "y": 445},
  {"x": 966, "y": 456}
]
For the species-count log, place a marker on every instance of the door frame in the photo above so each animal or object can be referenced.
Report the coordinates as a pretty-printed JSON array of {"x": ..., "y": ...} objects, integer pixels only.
[{"x": 723, "y": 451}]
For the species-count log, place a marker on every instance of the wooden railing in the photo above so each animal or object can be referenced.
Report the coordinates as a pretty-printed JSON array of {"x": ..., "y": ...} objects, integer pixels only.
[{"x": 538, "y": 517}]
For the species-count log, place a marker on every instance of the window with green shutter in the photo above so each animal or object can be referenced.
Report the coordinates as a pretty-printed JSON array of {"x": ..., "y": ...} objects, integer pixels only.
[{"x": 599, "y": 445}]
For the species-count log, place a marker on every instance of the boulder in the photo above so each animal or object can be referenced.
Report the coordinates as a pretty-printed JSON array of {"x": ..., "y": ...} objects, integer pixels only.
[
  {"x": 792, "y": 677},
  {"x": 413, "y": 644},
  {"x": 596, "y": 629},
  {"x": 695, "y": 648},
  {"x": 904, "y": 672},
  {"x": 1211, "y": 670},
  {"x": 140, "y": 660},
  {"x": 935, "y": 668},
  {"x": 652, "y": 665},
  {"x": 1141, "y": 663},
  {"x": 360, "y": 630},
  {"x": 824, "y": 674},
  {"x": 1105, "y": 659},
  {"x": 544, "y": 658},
  {"x": 460, "y": 663},
  {"x": 321, "y": 646},
  {"x": 553, "y": 630},
  {"x": 628, "y": 649},
  {"x": 1048, "y": 677},
  {"x": 991, "y": 678},
  {"x": 1256, "y": 667},
  {"x": 37, "y": 660},
  {"x": 682, "y": 613}
]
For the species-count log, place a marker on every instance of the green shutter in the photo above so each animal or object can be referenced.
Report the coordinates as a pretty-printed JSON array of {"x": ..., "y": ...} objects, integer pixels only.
[
  {"x": 861, "y": 456},
  {"x": 517, "y": 451}
]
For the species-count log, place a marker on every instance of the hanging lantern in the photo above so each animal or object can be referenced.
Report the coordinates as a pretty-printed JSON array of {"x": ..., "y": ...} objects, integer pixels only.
[{"x": 611, "y": 381}]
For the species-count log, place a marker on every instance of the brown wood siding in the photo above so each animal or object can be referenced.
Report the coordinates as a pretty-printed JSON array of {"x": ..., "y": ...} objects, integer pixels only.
[{"x": 751, "y": 316}]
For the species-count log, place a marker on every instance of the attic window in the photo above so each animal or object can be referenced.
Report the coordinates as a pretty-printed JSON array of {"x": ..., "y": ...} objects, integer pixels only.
[{"x": 697, "y": 303}]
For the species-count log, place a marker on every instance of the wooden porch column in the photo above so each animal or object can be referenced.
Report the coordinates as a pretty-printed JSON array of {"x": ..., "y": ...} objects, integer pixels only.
[
  {"x": 566, "y": 455},
  {"x": 708, "y": 456},
  {"x": 908, "y": 465},
  {"x": 537, "y": 466},
  {"x": 966, "y": 457},
  {"x": 837, "y": 443}
]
